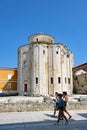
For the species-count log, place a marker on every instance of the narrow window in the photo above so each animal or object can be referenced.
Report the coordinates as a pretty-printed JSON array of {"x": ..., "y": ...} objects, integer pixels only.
[
  {"x": 68, "y": 80},
  {"x": 51, "y": 41},
  {"x": 43, "y": 51},
  {"x": 51, "y": 80},
  {"x": 25, "y": 63},
  {"x": 59, "y": 80},
  {"x": 67, "y": 55},
  {"x": 56, "y": 52},
  {"x": 37, "y": 39},
  {"x": 36, "y": 80},
  {"x": 65, "y": 80}
]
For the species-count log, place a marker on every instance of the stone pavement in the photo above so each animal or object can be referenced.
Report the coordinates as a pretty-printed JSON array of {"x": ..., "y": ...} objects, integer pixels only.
[{"x": 42, "y": 121}]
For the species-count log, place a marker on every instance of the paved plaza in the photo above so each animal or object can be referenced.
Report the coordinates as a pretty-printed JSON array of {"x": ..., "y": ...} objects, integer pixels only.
[{"x": 42, "y": 121}]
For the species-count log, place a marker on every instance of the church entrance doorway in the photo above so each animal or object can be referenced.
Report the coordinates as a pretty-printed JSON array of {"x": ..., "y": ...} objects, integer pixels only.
[{"x": 25, "y": 89}]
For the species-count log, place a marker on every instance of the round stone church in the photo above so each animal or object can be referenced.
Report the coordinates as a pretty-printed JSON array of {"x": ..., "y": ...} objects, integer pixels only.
[{"x": 44, "y": 67}]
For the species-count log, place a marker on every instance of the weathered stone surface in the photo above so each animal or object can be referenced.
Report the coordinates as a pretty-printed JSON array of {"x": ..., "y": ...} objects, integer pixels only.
[
  {"x": 21, "y": 104},
  {"x": 44, "y": 67}
]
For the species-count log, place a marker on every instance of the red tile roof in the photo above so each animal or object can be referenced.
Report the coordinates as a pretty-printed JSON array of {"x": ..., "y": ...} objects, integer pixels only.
[{"x": 82, "y": 66}]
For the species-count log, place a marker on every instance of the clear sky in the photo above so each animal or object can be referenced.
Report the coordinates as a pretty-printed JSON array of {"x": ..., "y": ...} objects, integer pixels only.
[{"x": 66, "y": 20}]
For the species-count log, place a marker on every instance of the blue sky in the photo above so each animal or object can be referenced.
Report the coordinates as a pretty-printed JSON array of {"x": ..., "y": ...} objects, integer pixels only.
[{"x": 66, "y": 20}]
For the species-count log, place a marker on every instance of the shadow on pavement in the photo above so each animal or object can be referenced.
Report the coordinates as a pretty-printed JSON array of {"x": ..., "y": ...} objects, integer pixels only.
[
  {"x": 83, "y": 114},
  {"x": 47, "y": 124}
]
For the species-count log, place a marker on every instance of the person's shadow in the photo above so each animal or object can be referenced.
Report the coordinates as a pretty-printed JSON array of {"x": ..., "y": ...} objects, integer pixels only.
[{"x": 50, "y": 115}]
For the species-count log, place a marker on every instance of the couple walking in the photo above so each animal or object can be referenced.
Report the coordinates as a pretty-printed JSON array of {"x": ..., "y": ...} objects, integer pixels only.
[{"x": 60, "y": 103}]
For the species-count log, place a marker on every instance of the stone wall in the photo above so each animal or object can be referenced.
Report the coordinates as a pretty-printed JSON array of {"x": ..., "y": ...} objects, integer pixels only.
[
  {"x": 80, "y": 84},
  {"x": 22, "y": 104}
]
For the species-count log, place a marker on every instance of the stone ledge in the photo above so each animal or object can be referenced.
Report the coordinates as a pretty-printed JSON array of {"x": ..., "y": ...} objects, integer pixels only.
[{"x": 22, "y": 103}]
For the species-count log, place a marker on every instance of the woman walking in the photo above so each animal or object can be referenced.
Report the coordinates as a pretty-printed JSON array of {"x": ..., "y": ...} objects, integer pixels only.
[
  {"x": 55, "y": 104},
  {"x": 65, "y": 98},
  {"x": 61, "y": 106}
]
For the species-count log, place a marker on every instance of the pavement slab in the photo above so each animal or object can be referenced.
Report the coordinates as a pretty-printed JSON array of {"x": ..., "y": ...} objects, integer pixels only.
[{"x": 42, "y": 120}]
